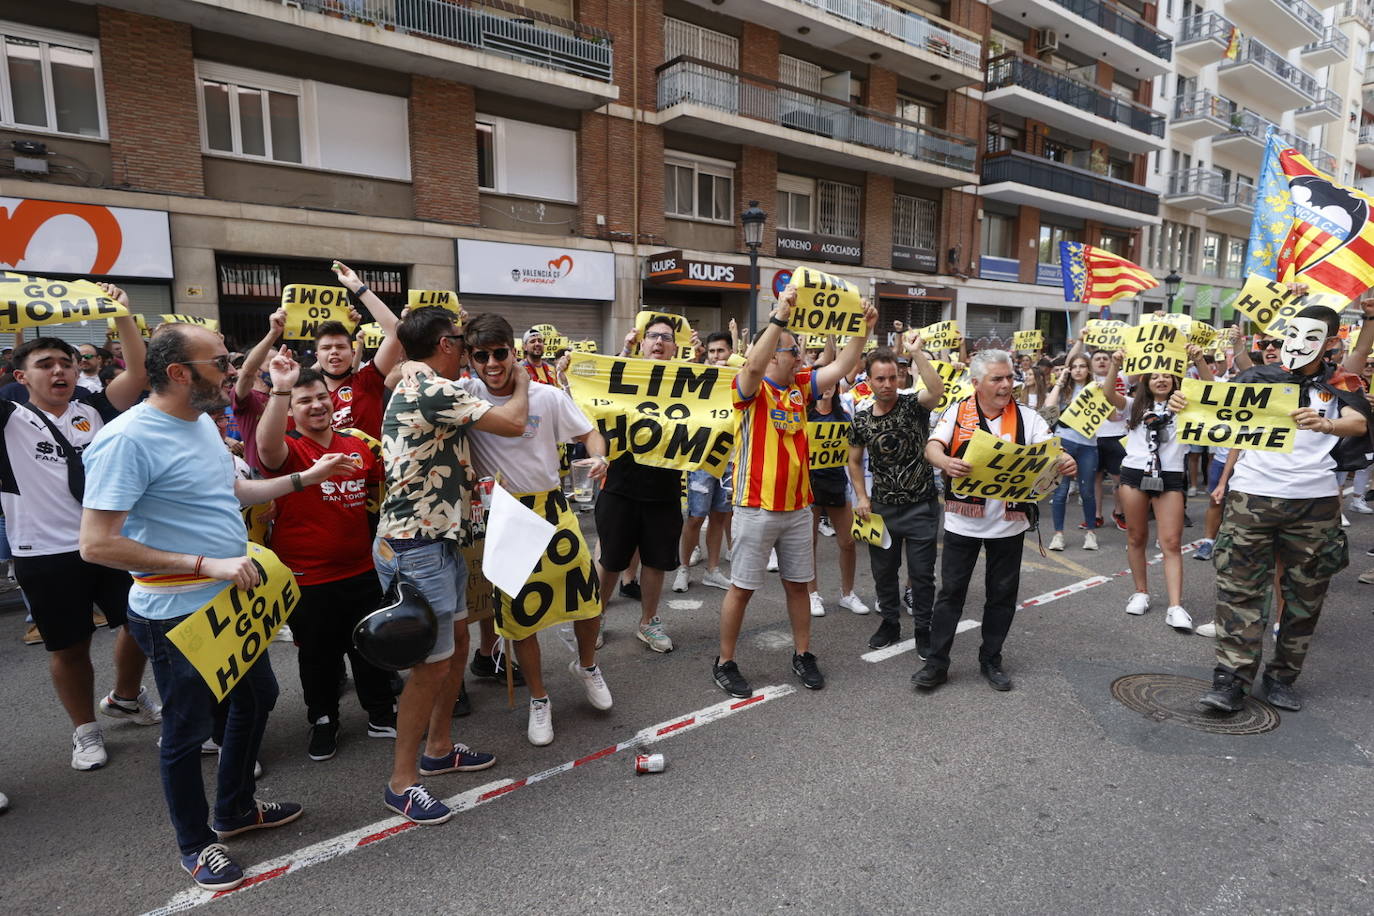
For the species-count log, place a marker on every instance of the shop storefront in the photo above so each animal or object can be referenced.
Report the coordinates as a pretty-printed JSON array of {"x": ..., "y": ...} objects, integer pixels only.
[
  {"x": 569, "y": 288},
  {"x": 707, "y": 293},
  {"x": 915, "y": 305}
]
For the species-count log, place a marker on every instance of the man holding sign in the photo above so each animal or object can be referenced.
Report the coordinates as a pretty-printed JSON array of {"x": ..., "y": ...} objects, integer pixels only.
[
  {"x": 976, "y": 523},
  {"x": 162, "y": 500},
  {"x": 358, "y": 397}
]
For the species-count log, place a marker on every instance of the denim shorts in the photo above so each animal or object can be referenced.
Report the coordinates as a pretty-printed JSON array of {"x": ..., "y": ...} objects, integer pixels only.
[
  {"x": 706, "y": 494},
  {"x": 440, "y": 573}
]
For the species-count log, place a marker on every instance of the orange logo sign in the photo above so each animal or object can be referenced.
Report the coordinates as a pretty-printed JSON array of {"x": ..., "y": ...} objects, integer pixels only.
[{"x": 17, "y": 229}]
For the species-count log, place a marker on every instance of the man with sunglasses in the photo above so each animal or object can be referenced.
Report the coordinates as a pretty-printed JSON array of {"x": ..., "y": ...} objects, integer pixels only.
[
  {"x": 42, "y": 481},
  {"x": 90, "y": 362}
]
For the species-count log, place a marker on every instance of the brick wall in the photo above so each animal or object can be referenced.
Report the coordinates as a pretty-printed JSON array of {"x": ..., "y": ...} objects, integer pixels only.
[
  {"x": 756, "y": 178},
  {"x": 877, "y": 229},
  {"x": 758, "y": 51},
  {"x": 1027, "y": 231},
  {"x": 617, "y": 17},
  {"x": 880, "y": 91},
  {"x": 442, "y": 134},
  {"x": 959, "y": 228},
  {"x": 971, "y": 14},
  {"x": 606, "y": 179},
  {"x": 150, "y": 103}
]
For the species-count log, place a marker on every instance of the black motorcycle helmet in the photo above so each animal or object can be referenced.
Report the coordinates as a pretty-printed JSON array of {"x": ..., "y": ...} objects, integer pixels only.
[{"x": 399, "y": 634}]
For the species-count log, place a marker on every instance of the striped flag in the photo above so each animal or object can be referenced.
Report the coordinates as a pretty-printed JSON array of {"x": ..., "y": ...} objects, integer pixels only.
[
  {"x": 1233, "y": 44},
  {"x": 1330, "y": 242},
  {"x": 1097, "y": 277}
]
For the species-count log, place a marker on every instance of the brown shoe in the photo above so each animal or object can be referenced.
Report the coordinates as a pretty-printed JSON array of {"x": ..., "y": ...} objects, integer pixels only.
[
  {"x": 31, "y": 636},
  {"x": 98, "y": 618}
]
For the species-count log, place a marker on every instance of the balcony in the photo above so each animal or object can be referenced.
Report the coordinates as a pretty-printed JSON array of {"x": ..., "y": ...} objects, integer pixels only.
[
  {"x": 1202, "y": 39},
  {"x": 1365, "y": 186},
  {"x": 1202, "y": 114},
  {"x": 1025, "y": 86},
  {"x": 912, "y": 44},
  {"x": 1195, "y": 189},
  {"x": 1245, "y": 142},
  {"x": 1101, "y": 30},
  {"x": 1055, "y": 187},
  {"x": 1327, "y": 108},
  {"x": 1332, "y": 48},
  {"x": 1364, "y": 147},
  {"x": 1237, "y": 204},
  {"x": 702, "y": 99},
  {"x": 1362, "y": 11},
  {"x": 1283, "y": 23},
  {"x": 497, "y": 46},
  {"x": 1262, "y": 75}
]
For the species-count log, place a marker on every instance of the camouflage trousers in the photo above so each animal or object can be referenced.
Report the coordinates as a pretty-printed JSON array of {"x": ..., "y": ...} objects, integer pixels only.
[{"x": 1258, "y": 532}]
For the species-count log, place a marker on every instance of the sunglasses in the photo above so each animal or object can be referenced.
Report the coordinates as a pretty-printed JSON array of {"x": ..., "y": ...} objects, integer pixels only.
[
  {"x": 82, "y": 357},
  {"x": 1271, "y": 345},
  {"x": 793, "y": 350},
  {"x": 482, "y": 356},
  {"x": 220, "y": 362}
]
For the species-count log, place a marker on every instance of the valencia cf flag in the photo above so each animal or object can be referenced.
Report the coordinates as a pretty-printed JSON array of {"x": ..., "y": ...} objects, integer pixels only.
[
  {"x": 1097, "y": 277},
  {"x": 1330, "y": 243}
]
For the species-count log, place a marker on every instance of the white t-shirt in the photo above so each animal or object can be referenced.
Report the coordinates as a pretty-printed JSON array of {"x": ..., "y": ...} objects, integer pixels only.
[
  {"x": 530, "y": 463},
  {"x": 42, "y": 518},
  {"x": 1114, "y": 427},
  {"x": 1171, "y": 451},
  {"x": 89, "y": 382},
  {"x": 994, "y": 522},
  {"x": 1306, "y": 473}
]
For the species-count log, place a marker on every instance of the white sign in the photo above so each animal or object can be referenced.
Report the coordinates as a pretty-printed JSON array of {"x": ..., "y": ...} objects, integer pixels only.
[
  {"x": 51, "y": 237},
  {"x": 501, "y": 269}
]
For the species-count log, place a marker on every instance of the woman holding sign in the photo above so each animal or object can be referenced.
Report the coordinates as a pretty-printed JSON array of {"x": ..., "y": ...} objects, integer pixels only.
[
  {"x": 1152, "y": 477},
  {"x": 830, "y": 491},
  {"x": 1074, "y": 379}
]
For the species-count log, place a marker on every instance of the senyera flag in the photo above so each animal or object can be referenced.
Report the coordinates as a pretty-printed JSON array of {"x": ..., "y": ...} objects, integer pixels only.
[
  {"x": 1097, "y": 277},
  {"x": 1330, "y": 244}
]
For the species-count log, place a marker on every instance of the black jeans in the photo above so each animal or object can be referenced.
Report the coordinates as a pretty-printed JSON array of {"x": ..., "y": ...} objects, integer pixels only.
[
  {"x": 1001, "y": 583},
  {"x": 914, "y": 526},
  {"x": 322, "y": 626}
]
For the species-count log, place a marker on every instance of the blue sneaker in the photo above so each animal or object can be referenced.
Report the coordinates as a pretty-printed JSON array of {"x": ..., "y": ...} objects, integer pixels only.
[
  {"x": 459, "y": 760},
  {"x": 417, "y": 805},
  {"x": 1204, "y": 551},
  {"x": 266, "y": 814},
  {"x": 212, "y": 869}
]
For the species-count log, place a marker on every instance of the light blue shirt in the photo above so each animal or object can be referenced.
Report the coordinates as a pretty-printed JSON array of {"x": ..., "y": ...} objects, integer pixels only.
[{"x": 175, "y": 479}]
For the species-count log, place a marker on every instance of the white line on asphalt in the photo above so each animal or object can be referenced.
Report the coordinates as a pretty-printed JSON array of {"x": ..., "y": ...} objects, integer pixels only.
[
  {"x": 684, "y": 604},
  {"x": 342, "y": 845},
  {"x": 906, "y": 645}
]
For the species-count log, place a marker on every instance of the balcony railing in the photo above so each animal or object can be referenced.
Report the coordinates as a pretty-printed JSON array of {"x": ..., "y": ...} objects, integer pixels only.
[
  {"x": 689, "y": 80},
  {"x": 1332, "y": 37},
  {"x": 1362, "y": 10},
  {"x": 1367, "y": 133},
  {"x": 1304, "y": 11},
  {"x": 1254, "y": 51},
  {"x": 525, "y": 35},
  {"x": 1048, "y": 175},
  {"x": 1205, "y": 26},
  {"x": 1249, "y": 124},
  {"x": 1116, "y": 20},
  {"x": 1018, "y": 70},
  {"x": 1196, "y": 183},
  {"x": 1326, "y": 99},
  {"x": 907, "y": 26},
  {"x": 1204, "y": 105},
  {"x": 1237, "y": 194}
]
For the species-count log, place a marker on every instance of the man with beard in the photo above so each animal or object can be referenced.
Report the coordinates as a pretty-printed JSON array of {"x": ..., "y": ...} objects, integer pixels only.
[
  {"x": 162, "y": 501},
  {"x": 43, "y": 481},
  {"x": 359, "y": 398},
  {"x": 90, "y": 362},
  {"x": 535, "y": 365},
  {"x": 1284, "y": 508}
]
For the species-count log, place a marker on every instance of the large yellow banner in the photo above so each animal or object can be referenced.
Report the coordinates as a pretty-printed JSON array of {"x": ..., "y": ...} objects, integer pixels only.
[
  {"x": 826, "y": 304},
  {"x": 563, "y": 586},
  {"x": 1007, "y": 471},
  {"x": 666, "y": 414},
  {"x": 1155, "y": 346},
  {"x": 227, "y": 636},
  {"x": 829, "y": 444},
  {"x": 31, "y": 302},
  {"x": 1087, "y": 411},
  {"x": 1228, "y": 415},
  {"x": 308, "y": 307},
  {"x": 1268, "y": 304}
]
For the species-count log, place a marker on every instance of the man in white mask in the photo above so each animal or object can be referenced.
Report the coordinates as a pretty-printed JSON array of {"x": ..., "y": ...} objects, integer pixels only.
[{"x": 1284, "y": 508}]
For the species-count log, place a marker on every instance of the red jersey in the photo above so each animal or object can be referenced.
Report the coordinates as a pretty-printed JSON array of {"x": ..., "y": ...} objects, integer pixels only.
[
  {"x": 360, "y": 401},
  {"x": 773, "y": 457},
  {"x": 543, "y": 373},
  {"x": 322, "y": 533}
]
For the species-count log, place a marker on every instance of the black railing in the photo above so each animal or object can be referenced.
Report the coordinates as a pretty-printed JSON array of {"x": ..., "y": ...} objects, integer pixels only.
[
  {"x": 1115, "y": 20},
  {"x": 1048, "y": 175},
  {"x": 1017, "y": 70}
]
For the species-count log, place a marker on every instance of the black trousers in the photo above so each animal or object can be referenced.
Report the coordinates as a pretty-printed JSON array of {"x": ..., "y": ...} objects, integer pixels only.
[
  {"x": 1001, "y": 583},
  {"x": 322, "y": 625},
  {"x": 914, "y": 528}
]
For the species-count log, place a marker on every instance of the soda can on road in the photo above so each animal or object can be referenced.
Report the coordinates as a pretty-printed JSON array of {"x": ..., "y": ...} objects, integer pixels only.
[{"x": 650, "y": 763}]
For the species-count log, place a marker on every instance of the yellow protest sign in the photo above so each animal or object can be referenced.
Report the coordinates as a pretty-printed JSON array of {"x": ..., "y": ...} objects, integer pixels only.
[
  {"x": 1087, "y": 411},
  {"x": 226, "y": 637},
  {"x": 139, "y": 320},
  {"x": 958, "y": 383},
  {"x": 1099, "y": 334},
  {"x": 371, "y": 335},
  {"x": 1203, "y": 335},
  {"x": 32, "y": 302},
  {"x": 445, "y": 299},
  {"x": 828, "y": 442},
  {"x": 734, "y": 361},
  {"x": 682, "y": 330},
  {"x": 1268, "y": 304},
  {"x": 942, "y": 335},
  {"x": 1007, "y": 471},
  {"x": 563, "y": 586},
  {"x": 309, "y": 307},
  {"x": 1155, "y": 346},
  {"x": 665, "y": 414},
  {"x": 1228, "y": 415},
  {"x": 1028, "y": 341},
  {"x": 826, "y": 304},
  {"x": 555, "y": 343},
  {"x": 1179, "y": 320},
  {"x": 872, "y": 530},
  {"x": 197, "y": 320},
  {"x": 584, "y": 346}
]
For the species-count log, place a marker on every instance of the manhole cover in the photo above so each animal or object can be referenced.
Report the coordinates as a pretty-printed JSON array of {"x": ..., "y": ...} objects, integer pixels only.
[{"x": 1171, "y": 698}]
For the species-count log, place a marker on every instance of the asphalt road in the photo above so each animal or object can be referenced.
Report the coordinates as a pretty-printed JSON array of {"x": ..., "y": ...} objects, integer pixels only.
[{"x": 861, "y": 798}]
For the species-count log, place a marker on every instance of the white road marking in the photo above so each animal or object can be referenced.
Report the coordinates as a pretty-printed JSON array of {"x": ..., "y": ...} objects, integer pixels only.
[{"x": 684, "y": 604}]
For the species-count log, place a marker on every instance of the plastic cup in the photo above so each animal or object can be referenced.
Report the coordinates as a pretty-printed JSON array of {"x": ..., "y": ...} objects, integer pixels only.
[{"x": 582, "y": 479}]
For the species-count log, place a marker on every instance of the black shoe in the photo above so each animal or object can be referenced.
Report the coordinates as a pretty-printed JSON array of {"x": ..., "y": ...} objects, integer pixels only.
[
  {"x": 462, "y": 706},
  {"x": 923, "y": 643},
  {"x": 382, "y": 723},
  {"x": 631, "y": 590},
  {"x": 804, "y": 666},
  {"x": 995, "y": 676},
  {"x": 1187, "y": 520},
  {"x": 493, "y": 668},
  {"x": 1227, "y": 693},
  {"x": 729, "y": 679},
  {"x": 324, "y": 739},
  {"x": 1284, "y": 696},
  {"x": 886, "y": 634},
  {"x": 929, "y": 677}
]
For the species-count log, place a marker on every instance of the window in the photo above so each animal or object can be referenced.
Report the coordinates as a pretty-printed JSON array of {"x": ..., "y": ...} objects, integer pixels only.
[
  {"x": 796, "y": 196},
  {"x": 698, "y": 188},
  {"x": 1235, "y": 258},
  {"x": 50, "y": 81},
  {"x": 1115, "y": 242},
  {"x": 1177, "y": 248},
  {"x": 910, "y": 109},
  {"x": 1050, "y": 237},
  {"x": 486, "y": 157},
  {"x": 837, "y": 209},
  {"x": 1211, "y": 254},
  {"x": 913, "y": 222},
  {"x": 527, "y": 160},
  {"x": 999, "y": 235},
  {"x": 261, "y": 121}
]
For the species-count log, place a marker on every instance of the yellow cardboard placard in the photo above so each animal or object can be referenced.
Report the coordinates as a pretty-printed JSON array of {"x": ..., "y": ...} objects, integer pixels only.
[
  {"x": 1230, "y": 415},
  {"x": 1268, "y": 304},
  {"x": 308, "y": 307},
  {"x": 1156, "y": 346},
  {"x": 228, "y": 635},
  {"x": 584, "y": 346},
  {"x": 197, "y": 320},
  {"x": 958, "y": 383},
  {"x": 942, "y": 335},
  {"x": 32, "y": 302},
  {"x": 371, "y": 335},
  {"x": 826, "y": 304},
  {"x": 872, "y": 530},
  {"x": 1099, "y": 334},
  {"x": 563, "y": 586},
  {"x": 1007, "y": 471},
  {"x": 828, "y": 441},
  {"x": 682, "y": 330},
  {"x": 142, "y": 323},
  {"x": 1087, "y": 411},
  {"x": 445, "y": 299},
  {"x": 1028, "y": 341}
]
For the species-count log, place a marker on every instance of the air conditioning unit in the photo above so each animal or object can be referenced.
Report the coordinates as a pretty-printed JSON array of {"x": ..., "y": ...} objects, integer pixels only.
[{"x": 1046, "y": 40}]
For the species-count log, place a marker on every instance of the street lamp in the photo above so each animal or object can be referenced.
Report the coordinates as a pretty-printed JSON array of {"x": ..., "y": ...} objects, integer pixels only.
[
  {"x": 1171, "y": 284},
  {"x": 752, "y": 220}
]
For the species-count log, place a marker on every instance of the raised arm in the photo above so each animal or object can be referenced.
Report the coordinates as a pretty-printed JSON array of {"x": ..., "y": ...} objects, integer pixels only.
[
  {"x": 271, "y": 431},
  {"x": 935, "y": 385},
  {"x": 389, "y": 353},
  {"x": 125, "y": 390},
  {"x": 848, "y": 359},
  {"x": 509, "y": 419},
  {"x": 764, "y": 345},
  {"x": 261, "y": 352},
  {"x": 1114, "y": 397},
  {"x": 1364, "y": 341}
]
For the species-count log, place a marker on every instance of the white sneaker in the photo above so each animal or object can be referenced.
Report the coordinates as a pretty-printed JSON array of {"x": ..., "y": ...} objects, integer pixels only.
[
  {"x": 716, "y": 579},
  {"x": 540, "y": 731},
  {"x": 772, "y": 561},
  {"x": 88, "y": 747},
  {"x": 825, "y": 528},
  {"x": 1057, "y": 542},
  {"x": 1345, "y": 522},
  {"x": 1208, "y": 630},
  {"x": 140, "y": 709},
  {"x": 208, "y": 746},
  {"x": 726, "y": 553},
  {"x": 1090, "y": 540},
  {"x": 852, "y": 602},
  {"x": 284, "y": 634},
  {"x": 1192, "y": 491},
  {"x": 4, "y": 803},
  {"x": 817, "y": 605},
  {"x": 598, "y": 694},
  {"x": 681, "y": 580},
  {"x": 1139, "y": 603},
  {"x": 1357, "y": 504},
  {"x": 695, "y": 558},
  {"x": 654, "y": 636},
  {"x": 1178, "y": 618}
]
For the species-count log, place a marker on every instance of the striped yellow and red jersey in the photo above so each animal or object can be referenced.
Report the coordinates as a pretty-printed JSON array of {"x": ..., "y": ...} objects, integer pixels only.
[
  {"x": 542, "y": 373},
  {"x": 772, "y": 460}
]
